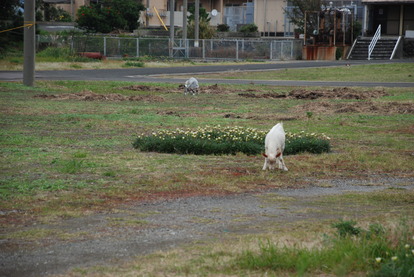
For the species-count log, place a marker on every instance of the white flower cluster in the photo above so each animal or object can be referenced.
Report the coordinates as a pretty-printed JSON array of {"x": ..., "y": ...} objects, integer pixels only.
[
  {"x": 229, "y": 134},
  {"x": 409, "y": 252},
  {"x": 302, "y": 134}
]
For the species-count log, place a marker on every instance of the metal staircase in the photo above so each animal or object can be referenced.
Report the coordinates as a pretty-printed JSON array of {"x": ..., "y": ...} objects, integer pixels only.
[{"x": 383, "y": 49}]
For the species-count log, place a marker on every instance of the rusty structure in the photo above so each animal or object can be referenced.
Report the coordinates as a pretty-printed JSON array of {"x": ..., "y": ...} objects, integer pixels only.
[{"x": 328, "y": 33}]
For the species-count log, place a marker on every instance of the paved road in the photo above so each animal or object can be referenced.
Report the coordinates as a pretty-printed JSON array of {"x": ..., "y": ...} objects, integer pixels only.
[{"x": 159, "y": 74}]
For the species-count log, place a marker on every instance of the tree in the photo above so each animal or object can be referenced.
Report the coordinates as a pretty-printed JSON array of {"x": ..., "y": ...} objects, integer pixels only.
[
  {"x": 11, "y": 21},
  {"x": 205, "y": 30},
  {"x": 9, "y": 8},
  {"x": 109, "y": 15},
  {"x": 203, "y": 15},
  {"x": 297, "y": 15}
]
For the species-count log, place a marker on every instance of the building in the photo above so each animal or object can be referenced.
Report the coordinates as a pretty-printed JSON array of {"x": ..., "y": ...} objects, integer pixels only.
[
  {"x": 268, "y": 15},
  {"x": 71, "y": 6},
  {"x": 396, "y": 17}
]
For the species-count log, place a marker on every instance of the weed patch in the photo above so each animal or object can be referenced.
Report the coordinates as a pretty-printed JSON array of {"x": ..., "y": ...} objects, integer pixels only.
[{"x": 352, "y": 249}]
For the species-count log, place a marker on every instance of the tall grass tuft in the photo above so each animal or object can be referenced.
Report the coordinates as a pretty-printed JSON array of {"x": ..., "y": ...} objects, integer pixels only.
[{"x": 352, "y": 249}]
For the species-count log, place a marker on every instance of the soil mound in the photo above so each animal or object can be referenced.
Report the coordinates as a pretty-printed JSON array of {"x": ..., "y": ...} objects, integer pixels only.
[
  {"x": 142, "y": 88},
  {"x": 336, "y": 93},
  {"x": 356, "y": 107},
  {"x": 91, "y": 96}
]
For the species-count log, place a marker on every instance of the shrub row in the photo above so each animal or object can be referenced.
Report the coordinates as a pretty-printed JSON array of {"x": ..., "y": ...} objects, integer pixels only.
[
  {"x": 195, "y": 146},
  {"x": 228, "y": 140}
]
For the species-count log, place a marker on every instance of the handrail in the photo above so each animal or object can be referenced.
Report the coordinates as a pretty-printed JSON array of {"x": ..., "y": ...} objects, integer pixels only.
[
  {"x": 374, "y": 40},
  {"x": 352, "y": 48},
  {"x": 159, "y": 17},
  {"x": 395, "y": 48}
]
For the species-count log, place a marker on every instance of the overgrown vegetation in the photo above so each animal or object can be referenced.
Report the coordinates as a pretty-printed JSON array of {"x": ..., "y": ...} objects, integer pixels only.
[
  {"x": 352, "y": 249},
  {"x": 205, "y": 31},
  {"x": 226, "y": 140},
  {"x": 106, "y": 16},
  {"x": 223, "y": 28},
  {"x": 249, "y": 28}
]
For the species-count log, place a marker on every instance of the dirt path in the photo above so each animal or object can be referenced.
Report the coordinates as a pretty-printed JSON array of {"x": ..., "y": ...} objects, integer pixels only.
[{"x": 131, "y": 231}]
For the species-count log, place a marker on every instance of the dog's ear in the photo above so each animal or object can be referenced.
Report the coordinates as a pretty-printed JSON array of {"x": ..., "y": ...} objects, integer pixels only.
[{"x": 264, "y": 155}]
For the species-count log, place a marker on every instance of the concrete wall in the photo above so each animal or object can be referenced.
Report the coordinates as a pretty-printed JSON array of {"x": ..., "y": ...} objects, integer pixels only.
[{"x": 269, "y": 16}]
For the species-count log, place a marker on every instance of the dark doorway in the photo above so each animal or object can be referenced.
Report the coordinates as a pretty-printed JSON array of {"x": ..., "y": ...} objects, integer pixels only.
[
  {"x": 380, "y": 18},
  {"x": 389, "y": 18}
]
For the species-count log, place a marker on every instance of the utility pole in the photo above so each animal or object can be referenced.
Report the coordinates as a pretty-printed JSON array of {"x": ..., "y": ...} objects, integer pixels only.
[
  {"x": 196, "y": 22},
  {"x": 147, "y": 18},
  {"x": 185, "y": 4},
  {"x": 29, "y": 43},
  {"x": 172, "y": 28}
]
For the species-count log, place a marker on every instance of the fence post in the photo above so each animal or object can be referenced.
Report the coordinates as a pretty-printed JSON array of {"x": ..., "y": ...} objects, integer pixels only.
[
  {"x": 137, "y": 47},
  {"x": 119, "y": 47},
  {"x": 271, "y": 50},
  {"x": 72, "y": 44},
  {"x": 104, "y": 46},
  {"x": 237, "y": 50},
  {"x": 204, "y": 49},
  {"x": 281, "y": 50},
  {"x": 187, "y": 48}
]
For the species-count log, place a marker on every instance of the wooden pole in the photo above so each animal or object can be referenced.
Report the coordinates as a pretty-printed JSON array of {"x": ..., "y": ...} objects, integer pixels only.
[{"x": 29, "y": 43}]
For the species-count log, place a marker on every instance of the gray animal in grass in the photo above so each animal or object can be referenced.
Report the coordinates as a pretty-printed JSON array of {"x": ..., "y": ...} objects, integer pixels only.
[{"x": 191, "y": 86}]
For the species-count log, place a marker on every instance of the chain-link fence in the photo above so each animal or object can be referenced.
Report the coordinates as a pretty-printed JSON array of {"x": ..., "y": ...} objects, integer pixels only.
[{"x": 206, "y": 49}]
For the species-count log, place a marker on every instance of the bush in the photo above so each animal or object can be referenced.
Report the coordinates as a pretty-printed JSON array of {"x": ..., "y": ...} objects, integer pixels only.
[
  {"x": 134, "y": 64},
  {"x": 110, "y": 15},
  {"x": 306, "y": 144},
  {"x": 249, "y": 28},
  {"x": 55, "y": 53},
  {"x": 227, "y": 140},
  {"x": 223, "y": 28},
  {"x": 195, "y": 146}
]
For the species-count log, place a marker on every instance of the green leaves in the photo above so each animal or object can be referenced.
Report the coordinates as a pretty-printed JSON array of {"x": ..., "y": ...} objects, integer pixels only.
[
  {"x": 225, "y": 140},
  {"x": 107, "y": 16}
]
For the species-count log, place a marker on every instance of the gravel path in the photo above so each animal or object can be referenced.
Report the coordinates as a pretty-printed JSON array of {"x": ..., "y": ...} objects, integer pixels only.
[{"x": 131, "y": 231}]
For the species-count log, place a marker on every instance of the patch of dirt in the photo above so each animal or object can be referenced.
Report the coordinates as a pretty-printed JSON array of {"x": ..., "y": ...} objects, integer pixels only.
[
  {"x": 212, "y": 89},
  {"x": 336, "y": 93},
  {"x": 356, "y": 107},
  {"x": 171, "y": 113},
  {"x": 88, "y": 95},
  {"x": 142, "y": 88}
]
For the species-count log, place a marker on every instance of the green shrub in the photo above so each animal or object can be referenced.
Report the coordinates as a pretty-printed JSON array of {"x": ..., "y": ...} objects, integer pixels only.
[
  {"x": 249, "y": 28},
  {"x": 195, "y": 146},
  {"x": 54, "y": 53},
  {"x": 225, "y": 140},
  {"x": 134, "y": 64},
  {"x": 307, "y": 144},
  {"x": 347, "y": 228},
  {"x": 223, "y": 28},
  {"x": 109, "y": 15}
]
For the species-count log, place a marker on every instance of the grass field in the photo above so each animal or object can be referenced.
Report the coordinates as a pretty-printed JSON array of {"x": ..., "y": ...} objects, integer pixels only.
[
  {"x": 63, "y": 156},
  {"x": 360, "y": 73}
]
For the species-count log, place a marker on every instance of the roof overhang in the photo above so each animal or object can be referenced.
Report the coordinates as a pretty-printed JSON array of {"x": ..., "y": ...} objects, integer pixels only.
[
  {"x": 387, "y": 2},
  {"x": 57, "y": 1}
]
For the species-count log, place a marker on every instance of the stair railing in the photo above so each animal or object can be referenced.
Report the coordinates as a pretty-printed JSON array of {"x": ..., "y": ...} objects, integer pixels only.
[
  {"x": 395, "y": 48},
  {"x": 374, "y": 40},
  {"x": 352, "y": 48}
]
